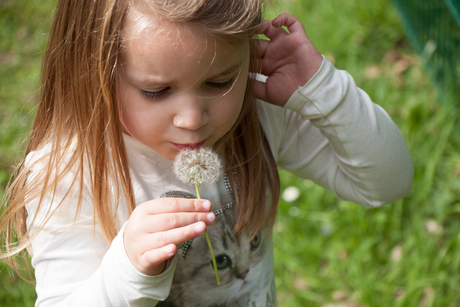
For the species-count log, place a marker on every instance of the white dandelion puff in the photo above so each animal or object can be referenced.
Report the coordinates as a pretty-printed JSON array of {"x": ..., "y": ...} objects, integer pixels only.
[{"x": 198, "y": 166}]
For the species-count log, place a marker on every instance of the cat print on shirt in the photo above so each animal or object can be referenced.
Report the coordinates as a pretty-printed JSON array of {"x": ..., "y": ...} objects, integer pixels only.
[{"x": 243, "y": 269}]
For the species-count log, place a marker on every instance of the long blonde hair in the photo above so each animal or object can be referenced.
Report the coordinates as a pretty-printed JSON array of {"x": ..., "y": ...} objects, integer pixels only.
[{"x": 78, "y": 116}]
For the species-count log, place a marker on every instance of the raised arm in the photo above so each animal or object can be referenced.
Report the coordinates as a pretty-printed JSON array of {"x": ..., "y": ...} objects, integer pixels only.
[{"x": 328, "y": 130}]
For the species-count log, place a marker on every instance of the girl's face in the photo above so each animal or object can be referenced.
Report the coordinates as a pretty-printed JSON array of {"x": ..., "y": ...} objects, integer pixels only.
[{"x": 179, "y": 88}]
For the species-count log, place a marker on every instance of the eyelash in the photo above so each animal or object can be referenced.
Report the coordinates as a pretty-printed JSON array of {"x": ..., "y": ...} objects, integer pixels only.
[
  {"x": 155, "y": 95},
  {"x": 222, "y": 86},
  {"x": 216, "y": 85}
]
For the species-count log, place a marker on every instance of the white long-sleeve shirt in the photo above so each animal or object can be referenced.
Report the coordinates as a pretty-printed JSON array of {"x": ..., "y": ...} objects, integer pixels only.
[{"x": 329, "y": 131}]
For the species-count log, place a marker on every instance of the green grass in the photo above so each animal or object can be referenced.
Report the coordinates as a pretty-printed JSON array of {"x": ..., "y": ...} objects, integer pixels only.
[
  {"x": 24, "y": 26},
  {"x": 327, "y": 252},
  {"x": 22, "y": 39}
]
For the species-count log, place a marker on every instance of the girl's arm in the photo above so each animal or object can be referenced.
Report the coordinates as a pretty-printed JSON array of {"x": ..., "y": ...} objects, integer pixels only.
[
  {"x": 74, "y": 264},
  {"x": 329, "y": 130}
]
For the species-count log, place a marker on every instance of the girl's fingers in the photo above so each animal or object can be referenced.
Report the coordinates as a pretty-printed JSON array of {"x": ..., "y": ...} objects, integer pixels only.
[
  {"x": 289, "y": 21},
  {"x": 264, "y": 26},
  {"x": 266, "y": 63},
  {"x": 260, "y": 90},
  {"x": 273, "y": 29},
  {"x": 263, "y": 45},
  {"x": 270, "y": 31},
  {"x": 156, "y": 259},
  {"x": 146, "y": 251},
  {"x": 158, "y": 225},
  {"x": 174, "y": 236},
  {"x": 165, "y": 222},
  {"x": 171, "y": 205}
]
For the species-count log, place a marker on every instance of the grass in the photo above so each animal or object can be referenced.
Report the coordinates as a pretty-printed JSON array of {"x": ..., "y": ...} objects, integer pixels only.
[
  {"x": 327, "y": 252},
  {"x": 22, "y": 39}
]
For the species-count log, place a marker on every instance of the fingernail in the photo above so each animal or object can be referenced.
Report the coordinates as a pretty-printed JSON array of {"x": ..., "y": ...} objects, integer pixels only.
[
  {"x": 211, "y": 217},
  {"x": 207, "y": 205},
  {"x": 168, "y": 250},
  {"x": 199, "y": 228}
]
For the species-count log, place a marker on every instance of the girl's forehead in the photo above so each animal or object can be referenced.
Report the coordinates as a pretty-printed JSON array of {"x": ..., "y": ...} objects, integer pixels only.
[
  {"x": 141, "y": 19},
  {"x": 156, "y": 47},
  {"x": 174, "y": 37},
  {"x": 142, "y": 22}
]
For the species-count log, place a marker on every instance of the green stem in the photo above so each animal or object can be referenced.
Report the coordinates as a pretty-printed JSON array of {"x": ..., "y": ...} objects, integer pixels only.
[{"x": 209, "y": 241}]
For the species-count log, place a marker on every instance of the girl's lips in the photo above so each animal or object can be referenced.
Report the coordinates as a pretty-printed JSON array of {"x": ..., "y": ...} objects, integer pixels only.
[{"x": 188, "y": 146}]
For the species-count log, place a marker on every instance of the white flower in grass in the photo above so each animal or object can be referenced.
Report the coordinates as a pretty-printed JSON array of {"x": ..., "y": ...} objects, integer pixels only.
[
  {"x": 197, "y": 166},
  {"x": 290, "y": 194}
]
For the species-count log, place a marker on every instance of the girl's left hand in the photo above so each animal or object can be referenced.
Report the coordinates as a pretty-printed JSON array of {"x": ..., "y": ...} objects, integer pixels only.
[{"x": 288, "y": 59}]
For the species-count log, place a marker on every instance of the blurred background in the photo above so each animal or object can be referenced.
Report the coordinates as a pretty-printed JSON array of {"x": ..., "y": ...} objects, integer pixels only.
[{"x": 328, "y": 252}]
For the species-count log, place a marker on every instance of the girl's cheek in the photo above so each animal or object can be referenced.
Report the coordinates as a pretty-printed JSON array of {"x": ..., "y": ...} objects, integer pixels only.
[{"x": 232, "y": 114}]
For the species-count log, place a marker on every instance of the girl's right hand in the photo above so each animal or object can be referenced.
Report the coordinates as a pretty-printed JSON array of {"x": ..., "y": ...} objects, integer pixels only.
[
  {"x": 288, "y": 59},
  {"x": 157, "y": 226}
]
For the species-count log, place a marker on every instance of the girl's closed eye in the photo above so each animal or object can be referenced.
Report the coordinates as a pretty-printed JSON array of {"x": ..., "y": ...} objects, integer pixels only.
[
  {"x": 155, "y": 94},
  {"x": 224, "y": 85},
  {"x": 215, "y": 85}
]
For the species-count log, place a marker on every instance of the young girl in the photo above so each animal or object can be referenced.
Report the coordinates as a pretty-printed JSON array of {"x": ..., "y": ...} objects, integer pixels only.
[{"x": 126, "y": 86}]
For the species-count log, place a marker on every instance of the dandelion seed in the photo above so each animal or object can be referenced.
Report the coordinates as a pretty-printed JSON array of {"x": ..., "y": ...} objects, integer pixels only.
[{"x": 195, "y": 167}]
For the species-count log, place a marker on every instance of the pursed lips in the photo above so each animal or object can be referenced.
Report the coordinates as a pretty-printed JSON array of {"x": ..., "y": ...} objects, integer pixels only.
[{"x": 188, "y": 146}]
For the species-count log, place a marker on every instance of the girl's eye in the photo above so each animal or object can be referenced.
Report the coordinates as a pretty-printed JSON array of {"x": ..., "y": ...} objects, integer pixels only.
[
  {"x": 221, "y": 85},
  {"x": 156, "y": 94}
]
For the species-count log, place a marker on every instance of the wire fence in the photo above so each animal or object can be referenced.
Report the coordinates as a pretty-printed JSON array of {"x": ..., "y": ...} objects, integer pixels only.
[{"x": 433, "y": 29}]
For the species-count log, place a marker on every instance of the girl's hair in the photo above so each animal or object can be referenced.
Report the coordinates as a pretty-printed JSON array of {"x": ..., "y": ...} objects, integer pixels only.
[{"x": 78, "y": 116}]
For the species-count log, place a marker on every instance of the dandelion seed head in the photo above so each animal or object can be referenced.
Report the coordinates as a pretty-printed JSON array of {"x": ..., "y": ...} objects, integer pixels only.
[{"x": 197, "y": 166}]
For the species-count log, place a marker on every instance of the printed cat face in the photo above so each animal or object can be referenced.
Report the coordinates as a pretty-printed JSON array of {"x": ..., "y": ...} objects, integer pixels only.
[{"x": 240, "y": 261}]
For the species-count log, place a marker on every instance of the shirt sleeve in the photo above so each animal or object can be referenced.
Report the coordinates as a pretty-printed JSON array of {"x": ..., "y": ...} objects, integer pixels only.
[
  {"x": 75, "y": 266},
  {"x": 333, "y": 134}
]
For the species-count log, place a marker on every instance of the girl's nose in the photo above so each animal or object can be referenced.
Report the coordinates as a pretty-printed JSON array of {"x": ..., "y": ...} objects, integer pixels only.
[{"x": 191, "y": 115}]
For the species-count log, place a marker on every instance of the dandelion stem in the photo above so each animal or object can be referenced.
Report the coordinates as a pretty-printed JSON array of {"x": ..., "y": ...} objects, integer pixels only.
[
  {"x": 209, "y": 241},
  {"x": 197, "y": 188}
]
